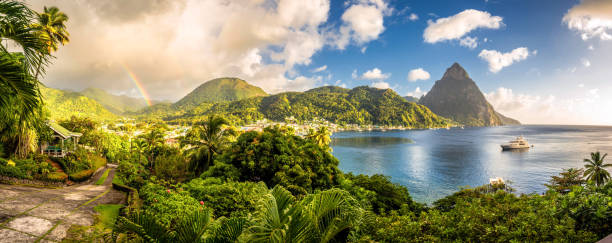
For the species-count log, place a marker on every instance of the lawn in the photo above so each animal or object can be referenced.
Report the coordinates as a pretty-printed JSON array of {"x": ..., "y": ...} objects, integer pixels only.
[
  {"x": 108, "y": 213},
  {"x": 103, "y": 177}
]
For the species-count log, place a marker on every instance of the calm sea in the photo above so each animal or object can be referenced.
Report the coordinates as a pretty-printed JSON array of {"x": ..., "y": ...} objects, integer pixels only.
[{"x": 435, "y": 163}]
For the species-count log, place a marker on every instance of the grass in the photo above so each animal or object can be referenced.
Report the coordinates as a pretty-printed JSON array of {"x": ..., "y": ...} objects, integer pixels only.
[
  {"x": 103, "y": 177},
  {"x": 117, "y": 180},
  {"x": 108, "y": 213}
]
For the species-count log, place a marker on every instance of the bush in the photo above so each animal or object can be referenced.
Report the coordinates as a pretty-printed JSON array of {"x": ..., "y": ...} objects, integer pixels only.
[
  {"x": 171, "y": 166},
  {"x": 56, "y": 177},
  {"x": 229, "y": 199},
  {"x": 81, "y": 175},
  {"x": 168, "y": 205},
  {"x": 278, "y": 157},
  {"x": 13, "y": 171},
  {"x": 387, "y": 196},
  {"x": 132, "y": 174}
]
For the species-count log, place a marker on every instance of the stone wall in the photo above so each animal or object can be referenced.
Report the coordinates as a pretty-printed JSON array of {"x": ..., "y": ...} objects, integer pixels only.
[{"x": 17, "y": 181}]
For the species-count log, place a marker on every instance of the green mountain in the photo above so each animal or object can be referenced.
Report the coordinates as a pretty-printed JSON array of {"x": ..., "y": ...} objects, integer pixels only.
[
  {"x": 361, "y": 105},
  {"x": 118, "y": 104},
  {"x": 220, "y": 90},
  {"x": 457, "y": 96},
  {"x": 62, "y": 104}
]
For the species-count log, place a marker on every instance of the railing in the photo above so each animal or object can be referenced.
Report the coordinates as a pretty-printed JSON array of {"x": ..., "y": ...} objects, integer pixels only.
[{"x": 55, "y": 153}]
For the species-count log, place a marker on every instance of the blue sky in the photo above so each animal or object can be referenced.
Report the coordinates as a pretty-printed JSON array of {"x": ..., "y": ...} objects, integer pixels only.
[
  {"x": 400, "y": 48},
  {"x": 543, "y": 61}
]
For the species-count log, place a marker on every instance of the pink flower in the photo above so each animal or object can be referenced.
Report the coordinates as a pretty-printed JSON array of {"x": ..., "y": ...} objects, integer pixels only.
[
  {"x": 168, "y": 190},
  {"x": 201, "y": 202}
]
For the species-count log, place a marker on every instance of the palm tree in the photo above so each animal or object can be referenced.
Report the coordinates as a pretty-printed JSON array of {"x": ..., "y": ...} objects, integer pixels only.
[
  {"x": 207, "y": 141},
  {"x": 322, "y": 217},
  {"x": 20, "y": 98},
  {"x": 154, "y": 139},
  {"x": 139, "y": 146},
  {"x": 52, "y": 27},
  {"x": 596, "y": 169},
  {"x": 322, "y": 136}
]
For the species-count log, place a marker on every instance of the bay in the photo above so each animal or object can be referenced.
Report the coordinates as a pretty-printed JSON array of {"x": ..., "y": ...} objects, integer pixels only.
[{"x": 435, "y": 163}]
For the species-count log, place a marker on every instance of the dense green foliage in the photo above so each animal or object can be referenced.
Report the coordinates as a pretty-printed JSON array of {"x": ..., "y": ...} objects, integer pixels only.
[
  {"x": 167, "y": 204},
  {"x": 220, "y": 90},
  {"x": 278, "y": 157},
  {"x": 61, "y": 104},
  {"x": 312, "y": 201},
  {"x": 386, "y": 196},
  {"x": 361, "y": 105},
  {"x": 227, "y": 198},
  {"x": 30, "y": 169}
]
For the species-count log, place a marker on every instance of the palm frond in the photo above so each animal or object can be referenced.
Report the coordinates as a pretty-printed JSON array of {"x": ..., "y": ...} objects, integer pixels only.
[
  {"x": 229, "y": 231},
  {"x": 193, "y": 226}
]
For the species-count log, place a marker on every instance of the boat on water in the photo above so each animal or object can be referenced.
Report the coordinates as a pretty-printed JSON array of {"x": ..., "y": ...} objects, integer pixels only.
[{"x": 518, "y": 143}]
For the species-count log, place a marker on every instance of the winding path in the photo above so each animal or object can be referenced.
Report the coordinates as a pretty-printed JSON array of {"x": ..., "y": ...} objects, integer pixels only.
[{"x": 29, "y": 214}]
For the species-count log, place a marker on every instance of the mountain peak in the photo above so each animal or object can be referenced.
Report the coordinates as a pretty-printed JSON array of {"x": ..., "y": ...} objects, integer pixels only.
[
  {"x": 456, "y": 96},
  {"x": 220, "y": 90},
  {"x": 456, "y": 71}
]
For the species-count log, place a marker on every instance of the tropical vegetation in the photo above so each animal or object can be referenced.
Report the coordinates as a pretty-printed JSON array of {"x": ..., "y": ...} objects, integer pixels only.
[
  {"x": 218, "y": 184},
  {"x": 361, "y": 105}
]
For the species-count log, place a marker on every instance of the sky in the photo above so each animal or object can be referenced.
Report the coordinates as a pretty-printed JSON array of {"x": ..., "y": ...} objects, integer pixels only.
[{"x": 541, "y": 62}]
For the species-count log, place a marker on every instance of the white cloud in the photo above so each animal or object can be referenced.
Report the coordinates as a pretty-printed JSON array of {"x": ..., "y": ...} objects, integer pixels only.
[
  {"x": 340, "y": 84},
  {"x": 354, "y": 74},
  {"x": 363, "y": 49},
  {"x": 380, "y": 85},
  {"x": 591, "y": 18},
  {"x": 591, "y": 48},
  {"x": 580, "y": 85},
  {"x": 418, "y": 74},
  {"x": 469, "y": 42},
  {"x": 413, "y": 17},
  {"x": 362, "y": 22},
  {"x": 417, "y": 93},
  {"x": 497, "y": 61},
  {"x": 456, "y": 26},
  {"x": 535, "y": 109},
  {"x": 191, "y": 41},
  {"x": 586, "y": 62},
  {"x": 375, "y": 74},
  {"x": 320, "y": 69}
]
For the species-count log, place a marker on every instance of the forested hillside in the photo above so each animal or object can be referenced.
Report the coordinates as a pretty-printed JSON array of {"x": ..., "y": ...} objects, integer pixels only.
[
  {"x": 361, "y": 105},
  {"x": 62, "y": 104}
]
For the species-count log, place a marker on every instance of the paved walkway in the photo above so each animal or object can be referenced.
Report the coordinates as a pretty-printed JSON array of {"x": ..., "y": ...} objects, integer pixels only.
[{"x": 29, "y": 214}]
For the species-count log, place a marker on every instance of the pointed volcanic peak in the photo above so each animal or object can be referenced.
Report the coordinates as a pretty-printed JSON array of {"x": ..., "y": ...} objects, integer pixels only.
[
  {"x": 220, "y": 90},
  {"x": 456, "y": 96}
]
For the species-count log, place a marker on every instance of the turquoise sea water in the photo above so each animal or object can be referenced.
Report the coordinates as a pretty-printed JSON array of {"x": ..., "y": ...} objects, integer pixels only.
[{"x": 436, "y": 163}]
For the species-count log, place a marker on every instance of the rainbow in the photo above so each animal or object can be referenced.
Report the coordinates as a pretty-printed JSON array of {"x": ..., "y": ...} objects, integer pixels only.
[{"x": 138, "y": 84}]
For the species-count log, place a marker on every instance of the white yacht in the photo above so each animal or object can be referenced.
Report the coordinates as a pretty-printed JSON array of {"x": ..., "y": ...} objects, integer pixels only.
[{"x": 518, "y": 143}]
